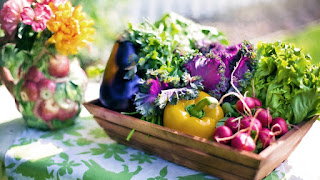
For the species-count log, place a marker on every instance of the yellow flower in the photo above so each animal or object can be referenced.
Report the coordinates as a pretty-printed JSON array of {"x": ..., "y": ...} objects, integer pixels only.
[{"x": 70, "y": 27}]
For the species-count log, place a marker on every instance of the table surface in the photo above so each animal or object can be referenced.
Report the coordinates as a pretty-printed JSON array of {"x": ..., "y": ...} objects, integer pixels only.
[{"x": 84, "y": 151}]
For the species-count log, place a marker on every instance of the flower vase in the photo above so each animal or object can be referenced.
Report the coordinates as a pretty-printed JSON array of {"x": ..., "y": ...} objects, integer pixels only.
[{"x": 49, "y": 95}]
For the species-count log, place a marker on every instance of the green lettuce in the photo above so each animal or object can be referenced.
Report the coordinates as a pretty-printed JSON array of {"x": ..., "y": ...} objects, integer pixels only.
[{"x": 286, "y": 82}]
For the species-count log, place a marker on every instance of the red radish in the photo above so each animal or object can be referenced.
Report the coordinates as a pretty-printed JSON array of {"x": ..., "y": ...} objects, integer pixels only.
[
  {"x": 266, "y": 137},
  {"x": 222, "y": 132},
  {"x": 279, "y": 126},
  {"x": 232, "y": 124},
  {"x": 248, "y": 100},
  {"x": 246, "y": 122},
  {"x": 264, "y": 117},
  {"x": 257, "y": 102},
  {"x": 243, "y": 141},
  {"x": 47, "y": 88}
]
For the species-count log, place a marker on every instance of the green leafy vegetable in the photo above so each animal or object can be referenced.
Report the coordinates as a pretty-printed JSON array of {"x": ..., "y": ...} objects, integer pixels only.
[
  {"x": 165, "y": 44},
  {"x": 305, "y": 105},
  {"x": 287, "y": 82}
]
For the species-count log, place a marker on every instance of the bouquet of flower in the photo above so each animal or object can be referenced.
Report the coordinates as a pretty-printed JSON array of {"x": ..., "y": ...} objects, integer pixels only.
[{"x": 45, "y": 33}]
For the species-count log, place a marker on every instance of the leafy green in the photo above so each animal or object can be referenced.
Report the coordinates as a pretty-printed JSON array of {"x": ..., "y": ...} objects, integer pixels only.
[
  {"x": 2, "y": 59},
  {"x": 165, "y": 44},
  {"x": 25, "y": 37},
  {"x": 286, "y": 82},
  {"x": 11, "y": 58},
  {"x": 186, "y": 32},
  {"x": 305, "y": 105}
]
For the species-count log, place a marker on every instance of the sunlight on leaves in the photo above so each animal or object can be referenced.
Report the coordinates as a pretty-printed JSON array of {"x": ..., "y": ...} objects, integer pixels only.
[{"x": 35, "y": 151}]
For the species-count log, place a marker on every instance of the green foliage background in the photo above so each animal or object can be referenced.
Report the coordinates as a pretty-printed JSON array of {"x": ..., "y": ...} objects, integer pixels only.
[{"x": 308, "y": 40}]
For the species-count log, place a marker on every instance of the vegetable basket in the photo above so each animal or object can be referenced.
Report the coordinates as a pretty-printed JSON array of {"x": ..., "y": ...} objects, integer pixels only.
[{"x": 197, "y": 153}]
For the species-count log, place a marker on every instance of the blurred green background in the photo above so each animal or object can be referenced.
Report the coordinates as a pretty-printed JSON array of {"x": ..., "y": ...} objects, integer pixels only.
[{"x": 309, "y": 40}]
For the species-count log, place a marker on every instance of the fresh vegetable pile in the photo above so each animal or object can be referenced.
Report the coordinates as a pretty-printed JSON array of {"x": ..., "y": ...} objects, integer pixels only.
[{"x": 184, "y": 76}]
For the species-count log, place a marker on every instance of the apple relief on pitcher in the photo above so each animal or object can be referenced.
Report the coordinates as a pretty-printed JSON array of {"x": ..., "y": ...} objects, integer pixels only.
[{"x": 50, "y": 96}]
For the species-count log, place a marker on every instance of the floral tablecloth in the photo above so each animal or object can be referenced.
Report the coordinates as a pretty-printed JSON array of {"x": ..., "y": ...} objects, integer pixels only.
[{"x": 84, "y": 151}]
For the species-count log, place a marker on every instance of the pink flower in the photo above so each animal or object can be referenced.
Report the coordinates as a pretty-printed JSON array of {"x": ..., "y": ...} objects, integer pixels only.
[
  {"x": 10, "y": 15},
  {"x": 38, "y": 17},
  {"x": 55, "y": 2}
]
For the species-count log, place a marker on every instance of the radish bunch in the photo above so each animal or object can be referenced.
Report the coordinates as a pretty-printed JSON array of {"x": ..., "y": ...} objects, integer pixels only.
[{"x": 253, "y": 130}]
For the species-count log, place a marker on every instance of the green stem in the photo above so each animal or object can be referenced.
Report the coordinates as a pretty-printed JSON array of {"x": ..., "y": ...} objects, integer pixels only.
[
  {"x": 130, "y": 134},
  {"x": 39, "y": 56},
  {"x": 197, "y": 109}
]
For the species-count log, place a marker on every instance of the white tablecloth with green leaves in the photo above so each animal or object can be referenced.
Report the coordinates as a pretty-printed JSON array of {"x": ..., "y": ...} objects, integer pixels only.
[{"x": 84, "y": 151}]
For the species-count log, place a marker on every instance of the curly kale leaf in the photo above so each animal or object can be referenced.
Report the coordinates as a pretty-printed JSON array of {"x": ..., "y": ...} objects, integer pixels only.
[
  {"x": 172, "y": 96},
  {"x": 160, "y": 89}
]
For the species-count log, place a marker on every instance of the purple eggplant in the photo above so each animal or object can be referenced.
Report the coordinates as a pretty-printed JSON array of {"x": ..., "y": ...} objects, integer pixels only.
[{"x": 116, "y": 92}]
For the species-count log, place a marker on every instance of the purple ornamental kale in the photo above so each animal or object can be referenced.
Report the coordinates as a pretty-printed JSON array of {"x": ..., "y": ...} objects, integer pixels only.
[
  {"x": 245, "y": 69},
  {"x": 216, "y": 67},
  {"x": 147, "y": 95},
  {"x": 212, "y": 70}
]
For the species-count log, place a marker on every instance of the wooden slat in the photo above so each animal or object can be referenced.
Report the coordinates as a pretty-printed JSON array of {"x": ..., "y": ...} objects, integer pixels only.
[
  {"x": 181, "y": 160},
  {"x": 188, "y": 153},
  {"x": 243, "y": 157},
  {"x": 275, "y": 154}
]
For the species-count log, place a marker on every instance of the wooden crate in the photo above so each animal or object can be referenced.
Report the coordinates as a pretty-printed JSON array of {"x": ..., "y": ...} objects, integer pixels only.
[{"x": 197, "y": 153}]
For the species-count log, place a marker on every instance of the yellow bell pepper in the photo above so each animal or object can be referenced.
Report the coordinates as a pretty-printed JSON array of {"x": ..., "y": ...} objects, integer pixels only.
[{"x": 196, "y": 117}]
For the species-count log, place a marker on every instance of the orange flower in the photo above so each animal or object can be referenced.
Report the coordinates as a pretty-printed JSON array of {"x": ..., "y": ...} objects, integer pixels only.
[{"x": 70, "y": 27}]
